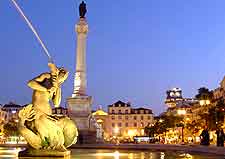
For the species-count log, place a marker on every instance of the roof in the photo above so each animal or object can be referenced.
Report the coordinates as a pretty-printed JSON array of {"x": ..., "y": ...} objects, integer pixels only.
[
  {"x": 139, "y": 110},
  {"x": 183, "y": 105},
  {"x": 120, "y": 104},
  {"x": 99, "y": 112},
  {"x": 10, "y": 105}
]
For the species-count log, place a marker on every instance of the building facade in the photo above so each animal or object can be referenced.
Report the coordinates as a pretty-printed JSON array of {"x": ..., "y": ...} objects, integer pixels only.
[
  {"x": 60, "y": 111},
  {"x": 219, "y": 93},
  {"x": 123, "y": 121},
  {"x": 9, "y": 112},
  {"x": 174, "y": 99}
]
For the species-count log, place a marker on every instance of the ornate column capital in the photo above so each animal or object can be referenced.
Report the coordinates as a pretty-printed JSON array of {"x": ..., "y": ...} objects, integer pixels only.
[{"x": 82, "y": 26}]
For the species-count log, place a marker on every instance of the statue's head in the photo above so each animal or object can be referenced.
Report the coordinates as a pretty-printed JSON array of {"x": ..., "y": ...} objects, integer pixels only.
[
  {"x": 63, "y": 74},
  {"x": 53, "y": 68}
]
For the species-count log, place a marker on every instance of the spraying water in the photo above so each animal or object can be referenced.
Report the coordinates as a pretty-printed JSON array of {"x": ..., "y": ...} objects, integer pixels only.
[{"x": 33, "y": 30}]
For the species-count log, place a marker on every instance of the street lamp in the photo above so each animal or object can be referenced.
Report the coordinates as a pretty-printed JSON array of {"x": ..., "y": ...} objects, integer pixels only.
[
  {"x": 205, "y": 102},
  {"x": 182, "y": 112}
]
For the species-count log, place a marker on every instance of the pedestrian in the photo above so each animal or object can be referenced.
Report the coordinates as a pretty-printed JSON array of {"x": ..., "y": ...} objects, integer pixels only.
[
  {"x": 204, "y": 137},
  {"x": 220, "y": 137}
]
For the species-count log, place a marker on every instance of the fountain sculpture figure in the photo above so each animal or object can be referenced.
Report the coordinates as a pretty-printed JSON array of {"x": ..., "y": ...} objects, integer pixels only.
[{"x": 41, "y": 129}]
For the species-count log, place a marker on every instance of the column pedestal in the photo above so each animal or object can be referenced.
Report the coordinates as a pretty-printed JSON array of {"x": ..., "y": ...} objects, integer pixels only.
[{"x": 79, "y": 109}]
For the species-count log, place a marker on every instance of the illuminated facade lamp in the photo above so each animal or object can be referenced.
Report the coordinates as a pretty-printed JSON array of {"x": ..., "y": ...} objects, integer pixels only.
[
  {"x": 181, "y": 112},
  {"x": 201, "y": 102},
  {"x": 207, "y": 102},
  {"x": 204, "y": 102},
  {"x": 116, "y": 130},
  {"x": 131, "y": 133},
  {"x": 160, "y": 120}
]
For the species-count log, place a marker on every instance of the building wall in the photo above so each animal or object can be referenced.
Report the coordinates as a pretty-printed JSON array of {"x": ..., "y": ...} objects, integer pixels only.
[
  {"x": 128, "y": 124},
  {"x": 124, "y": 121}
]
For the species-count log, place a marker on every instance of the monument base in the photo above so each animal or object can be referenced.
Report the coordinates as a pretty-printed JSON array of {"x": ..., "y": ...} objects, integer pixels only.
[
  {"x": 43, "y": 153},
  {"x": 86, "y": 137},
  {"x": 79, "y": 109}
]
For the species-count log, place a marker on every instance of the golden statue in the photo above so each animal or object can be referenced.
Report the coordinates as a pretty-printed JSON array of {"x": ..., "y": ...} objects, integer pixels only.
[{"x": 40, "y": 128}]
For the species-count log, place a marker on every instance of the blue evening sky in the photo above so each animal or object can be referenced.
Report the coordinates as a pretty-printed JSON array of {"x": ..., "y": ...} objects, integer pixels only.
[{"x": 136, "y": 49}]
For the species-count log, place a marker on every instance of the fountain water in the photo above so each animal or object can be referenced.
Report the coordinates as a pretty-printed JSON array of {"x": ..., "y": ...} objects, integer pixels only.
[{"x": 32, "y": 29}]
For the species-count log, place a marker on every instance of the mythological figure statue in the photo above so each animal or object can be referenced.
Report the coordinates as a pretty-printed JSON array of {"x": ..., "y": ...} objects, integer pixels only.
[
  {"x": 37, "y": 124},
  {"x": 82, "y": 9}
]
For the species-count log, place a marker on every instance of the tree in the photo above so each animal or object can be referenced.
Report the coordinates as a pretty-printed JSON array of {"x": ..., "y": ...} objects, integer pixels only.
[
  {"x": 171, "y": 121},
  {"x": 10, "y": 129},
  {"x": 204, "y": 94},
  {"x": 163, "y": 123},
  {"x": 216, "y": 114},
  {"x": 150, "y": 130},
  {"x": 194, "y": 127}
]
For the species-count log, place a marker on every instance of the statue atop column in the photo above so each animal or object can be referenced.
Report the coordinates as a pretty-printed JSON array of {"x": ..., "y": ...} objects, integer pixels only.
[{"x": 82, "y": 9}]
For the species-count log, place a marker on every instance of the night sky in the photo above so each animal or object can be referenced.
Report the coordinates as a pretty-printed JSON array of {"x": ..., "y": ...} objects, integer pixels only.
[{"x": 136, "y": 49}]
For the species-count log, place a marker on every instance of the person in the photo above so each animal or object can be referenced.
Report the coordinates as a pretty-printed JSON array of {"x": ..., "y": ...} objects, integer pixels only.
[
  {"x": 220, "y": 137},
  {"x": 205, "y": 137}
]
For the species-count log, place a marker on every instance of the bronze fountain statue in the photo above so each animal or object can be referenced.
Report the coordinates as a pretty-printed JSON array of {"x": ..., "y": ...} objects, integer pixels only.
[{"x": 41, "y": 129}]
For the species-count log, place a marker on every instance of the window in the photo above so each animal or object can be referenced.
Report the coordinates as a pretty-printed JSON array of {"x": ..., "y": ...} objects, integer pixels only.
[
  {"x": 142, "y": 124},
  {"x": 113, "y": 117},
  {"x": 119, "y": 117},
  {"x": 113, "y": 124},
  {"x": 126, "y": 111},
  {"x": 120, "y": 124},
  {"x": 142, "y": 111},
  {"x": 135, "y": 118},
  {"x": 149, "y": 117},
  {"x": 146, "y": 111},
  {"x": 119, "y": 112},
  {"x": 113, "y": 111},
  {"x": 126, "y": 124},
  {"x": 135, "y": 124},
  {"x": 142, "y": 118},
  {"x": 126, "y": 117}
]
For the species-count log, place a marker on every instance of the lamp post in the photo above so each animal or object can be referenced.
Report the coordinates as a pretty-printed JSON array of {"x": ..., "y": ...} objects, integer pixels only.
[
  {"x": 205, "y": 103},
  {"x": 182, "y": 112}
]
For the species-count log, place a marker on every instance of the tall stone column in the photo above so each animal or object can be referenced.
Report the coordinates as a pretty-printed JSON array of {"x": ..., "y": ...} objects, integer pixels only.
[
  {"x": 79, "y": 104},
  {"x": 80, "y": 81}
]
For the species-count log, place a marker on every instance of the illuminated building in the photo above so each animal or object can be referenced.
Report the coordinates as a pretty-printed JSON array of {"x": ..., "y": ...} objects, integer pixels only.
[
  {"x": 126, "y": 121},
  {"x": 219, "y": 93},
  {"x": 174, "y": 98},
  {"x": 101, "y": 117},
  {"x": 123, "y": 121},
  {"x": 10, "y": 112}
]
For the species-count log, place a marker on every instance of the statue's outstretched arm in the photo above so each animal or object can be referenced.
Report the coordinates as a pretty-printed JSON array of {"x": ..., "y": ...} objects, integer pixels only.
[{"x": 34, "y": 83}]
